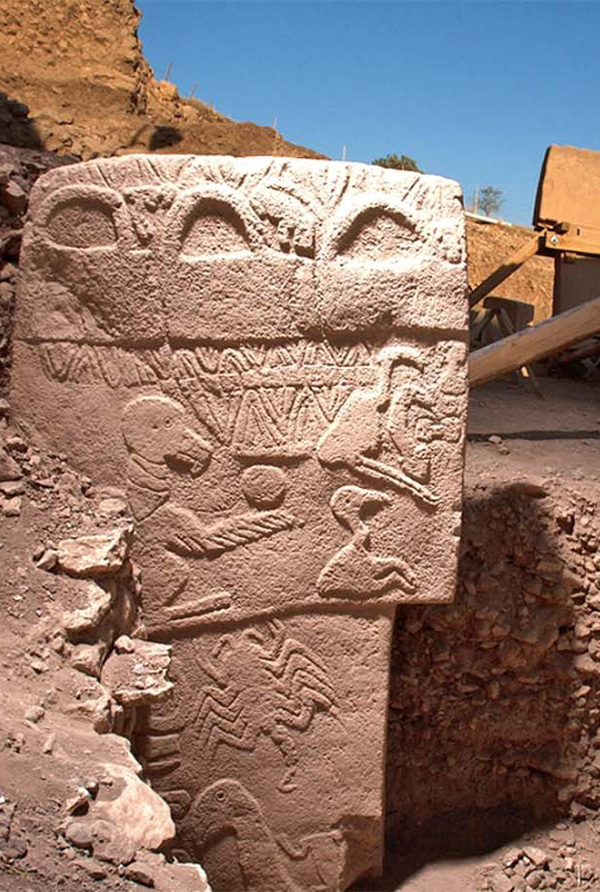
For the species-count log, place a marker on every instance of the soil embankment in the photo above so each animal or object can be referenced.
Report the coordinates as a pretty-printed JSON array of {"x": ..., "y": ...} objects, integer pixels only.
[
  {"x": 491, "y": 244},
  {"x": 80, "y": 68}
]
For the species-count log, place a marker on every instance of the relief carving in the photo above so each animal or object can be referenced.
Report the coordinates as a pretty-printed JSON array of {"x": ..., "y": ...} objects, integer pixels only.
[
  {"x": 263, "y": 683},
  {"x": 268, "y": 355},
  {"x": 154, "y": 431},
  {"x": 354, "y": 571},
  {"x": 265, "y": 862},
  {"x": 355, "y": 438}
]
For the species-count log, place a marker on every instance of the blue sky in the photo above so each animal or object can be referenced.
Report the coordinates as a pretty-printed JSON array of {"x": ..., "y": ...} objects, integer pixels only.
[{"x": 472, "y": 90}]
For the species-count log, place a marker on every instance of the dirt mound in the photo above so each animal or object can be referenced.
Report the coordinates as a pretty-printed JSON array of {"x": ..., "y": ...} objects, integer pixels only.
[
  {"x": 491, "y": 244},
  {"x": 80, "y": 68}
]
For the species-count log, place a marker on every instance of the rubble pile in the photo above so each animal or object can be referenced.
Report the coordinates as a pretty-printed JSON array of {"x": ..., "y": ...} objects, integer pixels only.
[
  {"x": 563, "y": 867},
  {"x": 75, "y": 668}
]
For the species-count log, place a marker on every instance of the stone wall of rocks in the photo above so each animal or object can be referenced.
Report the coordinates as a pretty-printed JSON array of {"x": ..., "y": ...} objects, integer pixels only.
[{"x": 495, "y": 700}]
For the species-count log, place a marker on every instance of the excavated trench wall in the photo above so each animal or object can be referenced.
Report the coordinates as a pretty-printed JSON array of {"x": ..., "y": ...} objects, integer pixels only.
[{"x": 494, "y": 699}]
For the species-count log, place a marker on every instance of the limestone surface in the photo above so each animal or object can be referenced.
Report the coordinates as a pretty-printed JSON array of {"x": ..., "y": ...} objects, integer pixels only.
[{"x": 268, "y": 356}]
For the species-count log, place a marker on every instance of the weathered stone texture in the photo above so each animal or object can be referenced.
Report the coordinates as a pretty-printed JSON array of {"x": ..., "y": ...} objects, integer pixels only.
[{"x": 268, "y": 355}]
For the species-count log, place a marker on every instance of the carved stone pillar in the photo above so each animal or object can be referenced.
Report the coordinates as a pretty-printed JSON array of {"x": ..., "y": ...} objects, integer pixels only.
[{"x": 269, "y": 356}]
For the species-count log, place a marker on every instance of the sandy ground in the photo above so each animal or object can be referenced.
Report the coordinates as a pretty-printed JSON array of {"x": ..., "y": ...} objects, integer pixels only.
[{"x": 556, "y": 434}]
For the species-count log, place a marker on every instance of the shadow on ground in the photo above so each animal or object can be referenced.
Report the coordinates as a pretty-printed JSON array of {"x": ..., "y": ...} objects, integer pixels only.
[
  {"x": 16, "y": 127},
  {"x": 481, "y": 725}
]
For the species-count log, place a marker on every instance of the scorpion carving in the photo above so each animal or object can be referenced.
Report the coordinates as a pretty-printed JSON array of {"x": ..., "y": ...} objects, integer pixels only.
[{"x": 264, "y": 684}]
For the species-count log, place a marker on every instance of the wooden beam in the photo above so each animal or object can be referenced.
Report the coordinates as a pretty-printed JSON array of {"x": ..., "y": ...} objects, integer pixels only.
[
  {"x": 535, "y": 343},
  {"x": 529, "y": 249},
  {"x": 576, "y": 241}
]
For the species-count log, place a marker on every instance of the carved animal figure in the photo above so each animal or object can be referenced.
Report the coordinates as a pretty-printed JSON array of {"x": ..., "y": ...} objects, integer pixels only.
[
  {"x": 227, "y": 807},
  {"x": 160, "y": 444},
  {"x": 263, "y": 684},
  {"x": 355, "y": 438},
  {"x": 354, "y": 571},
  {"x": 154, "y": 430}
]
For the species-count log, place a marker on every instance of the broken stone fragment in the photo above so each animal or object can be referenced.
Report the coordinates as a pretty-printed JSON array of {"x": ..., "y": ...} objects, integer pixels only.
[
  {"x": 48, "y": 560},
  {"x": 512, "y": 857},
  {"x": 110, "y": 843},
  {"x": 138, "y": 676},
  {"x": 14, "y": 198},
  {"x": 536, "y": 856},
  {"x": 99, "y": 554},
  {"x": 12, "y": 488},
  {"x": 93, "y": 868},
  {"x": 14, "y": 849},
  {"x": 9, "y": 469},
  {"x": 14, "y": 443},
  {"x": 89, "y": 617},
  {"x": 12, "y": 508},
  {"x": 585, "y": 665},
  {"x": 98, "y": 710},
  {"x": 35, "y": 714},
  {"x": 48, "y": 747},
  {"x": 87, "y": 658},
  {"x": 137, "y": 807},
  {"x": 56, "y": 640},
  {"x": 79, "y": 834},
  {"x": 140, "y": 873},
  {"x": 7, "y": 811},
  {"x": 499, "y": 882},
  {"x": 10, "y": 244},
  {"x": 79, "y": 800},
  {"x": 173, "y": 877},
  {"x": 124, "y": 645},
  {"x": 112, "y": 507}
]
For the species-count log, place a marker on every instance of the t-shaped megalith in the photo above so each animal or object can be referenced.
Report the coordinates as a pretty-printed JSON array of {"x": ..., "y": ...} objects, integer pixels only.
[{"x": 268, "y": 355}]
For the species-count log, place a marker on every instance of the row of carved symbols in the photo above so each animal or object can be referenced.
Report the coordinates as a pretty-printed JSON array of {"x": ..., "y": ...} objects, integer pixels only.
[
  {"x": 120, "y": 367},
  {"x": 214, "y": 222}
]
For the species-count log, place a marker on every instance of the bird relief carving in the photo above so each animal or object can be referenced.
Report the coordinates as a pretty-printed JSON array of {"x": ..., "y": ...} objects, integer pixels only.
[{"x": 374, "y": 421}]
